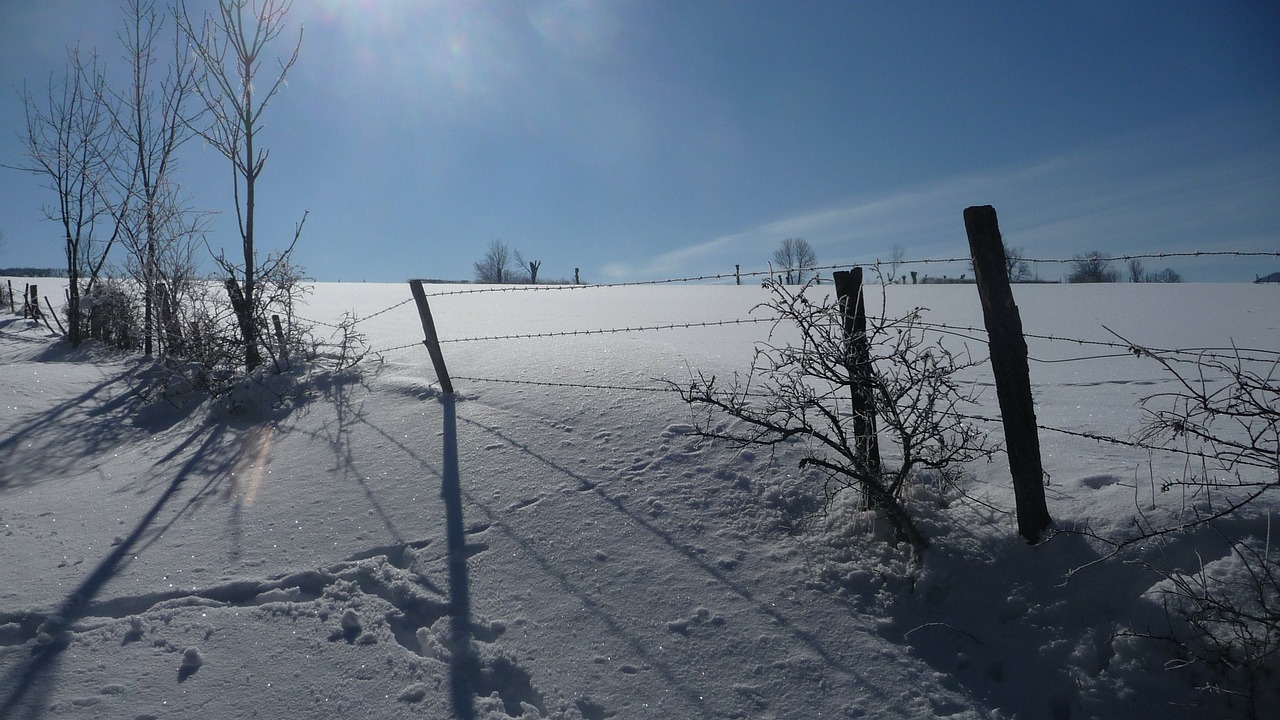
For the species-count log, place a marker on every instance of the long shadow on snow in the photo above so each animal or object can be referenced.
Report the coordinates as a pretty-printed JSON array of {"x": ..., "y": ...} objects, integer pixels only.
[
  {"x": 35, "y": 673},
  {"x": 467, "y": 675},
  {"x": 830, "y": 659},
  {"x": 339, "y": 389}
]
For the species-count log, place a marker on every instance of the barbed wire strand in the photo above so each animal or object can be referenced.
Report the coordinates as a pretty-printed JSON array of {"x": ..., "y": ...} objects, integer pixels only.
[
  {"x": 874, "y": 264},
  {"x": 1263, "y": 355},
  {"x": 357, "y": 320},
  {"x": 607, "y": 331},
  {"x": 547, "y": 383}
]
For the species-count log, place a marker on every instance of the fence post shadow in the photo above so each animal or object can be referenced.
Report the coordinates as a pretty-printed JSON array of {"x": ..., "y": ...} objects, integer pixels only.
[{"x": 463, "y": 666}]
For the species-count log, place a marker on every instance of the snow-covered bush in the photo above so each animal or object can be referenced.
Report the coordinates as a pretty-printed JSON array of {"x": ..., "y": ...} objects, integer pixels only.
[
  {"x": 1222, "y": 620},
  {"x": 111, "y": 315},
  {"x": 799, "y": 391}
]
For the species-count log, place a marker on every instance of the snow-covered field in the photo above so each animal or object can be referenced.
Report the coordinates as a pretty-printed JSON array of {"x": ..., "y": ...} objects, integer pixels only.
[{"x": 293, "y": 561}]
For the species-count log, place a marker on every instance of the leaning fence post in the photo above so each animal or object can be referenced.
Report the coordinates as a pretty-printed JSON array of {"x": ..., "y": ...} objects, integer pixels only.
[
  {"x": 54, "y": 313},
  {"x": 432, "y": 341},
  {"x": 13, "y": 308},
  {"x": 858, "y": 361},
  {"x": 1009, "y": 364}
]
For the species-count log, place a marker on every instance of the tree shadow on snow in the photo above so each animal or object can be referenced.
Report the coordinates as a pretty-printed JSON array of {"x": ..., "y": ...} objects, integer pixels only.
[
  {"x": 33, "y": 679},
  {"x": 69, "y": 435}
]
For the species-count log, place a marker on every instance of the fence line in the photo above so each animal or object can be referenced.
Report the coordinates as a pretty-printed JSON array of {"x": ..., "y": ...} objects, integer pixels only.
[
  {"x": 587, "y": 386},
  {"x": 1153, "y": 256},
  {"x": 1097, "y": 437},
  {"x": 1252, "y": 354},
  {"x": 876, "y": 264},
  {"x": 955, "y": 330},
  {"x": 607, "y": 331}
]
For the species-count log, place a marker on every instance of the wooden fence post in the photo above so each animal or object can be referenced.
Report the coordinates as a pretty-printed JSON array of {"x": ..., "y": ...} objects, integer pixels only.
[
  {"x": 858, "y": 361},
  {"x": 54, "y": 313},
  {"x": 284, "y": 346},
  {"x": 1009, "y": 364},
  {"x": 13, "y": 308},
  {"x": 429, "y": 330},
  {"x": 737, "y": 273}
]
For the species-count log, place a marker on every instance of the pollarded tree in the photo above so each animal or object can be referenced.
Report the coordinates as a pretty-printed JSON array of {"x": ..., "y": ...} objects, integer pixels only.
[
  {"x": 1092, "y": 267},
  {"x": 796, "y": 257},
  {"x": 229, "y": 48}
]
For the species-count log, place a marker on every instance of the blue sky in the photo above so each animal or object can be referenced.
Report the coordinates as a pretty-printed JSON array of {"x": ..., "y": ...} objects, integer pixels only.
[{"x": 645, "y": 139}]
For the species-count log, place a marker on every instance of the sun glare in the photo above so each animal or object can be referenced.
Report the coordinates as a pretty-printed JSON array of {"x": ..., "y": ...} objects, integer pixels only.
[{"x": 453, "y": 58}]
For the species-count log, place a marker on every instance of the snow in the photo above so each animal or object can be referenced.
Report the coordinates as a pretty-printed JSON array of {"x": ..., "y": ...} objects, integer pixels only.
[{"x": 358, "y": 544}]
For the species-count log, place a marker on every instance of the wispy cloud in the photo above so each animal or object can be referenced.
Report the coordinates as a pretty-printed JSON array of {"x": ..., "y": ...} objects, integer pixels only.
[{"x": 1163, "y": 192}]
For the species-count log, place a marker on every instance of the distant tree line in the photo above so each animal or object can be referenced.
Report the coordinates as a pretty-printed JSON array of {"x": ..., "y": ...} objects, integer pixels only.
[
  {"x": 1094, "y": 267},
  {"x": 33, "y": 272},
  {"x": 501, "y": 264}
]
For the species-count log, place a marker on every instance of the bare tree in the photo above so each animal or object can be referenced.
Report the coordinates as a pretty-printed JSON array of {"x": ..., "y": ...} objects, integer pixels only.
[
  {"x": 799, "y": 393},
  {"x": 1222, "y": 409},
  {"x": 68, "y": 140},
  {"x": 495, "y": 266},
  {"x": 796, "y": 257},
  {"x": 1167, "y": 275},
  {"x": 1136, "y": 274},
  {"x": 896, "y": 255},
  {"x": 525, "y": 270},
  {"x": 153, "y": 121},
  {"x": 1092, "y": 267},
  {"x": 229, "y": 50},
  {"x": 1015, "y": 264}
]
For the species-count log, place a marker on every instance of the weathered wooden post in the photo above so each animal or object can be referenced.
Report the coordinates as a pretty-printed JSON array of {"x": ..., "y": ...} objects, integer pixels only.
[
  {"x": 284, "y": 346},
  {"x": 858, "y": 361},
  {"x": 737, "y": 273},
  {"x": 56, "y": 319},
  {"x": 1009, "y": 364},
  {"x": 13, "y": 307},
  {"x": 576, "y": 281},
  {"x": 432, "y": 341}
]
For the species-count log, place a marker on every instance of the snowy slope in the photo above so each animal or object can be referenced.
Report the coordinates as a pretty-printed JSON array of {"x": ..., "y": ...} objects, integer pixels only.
[{"x": 200, "y": 561}]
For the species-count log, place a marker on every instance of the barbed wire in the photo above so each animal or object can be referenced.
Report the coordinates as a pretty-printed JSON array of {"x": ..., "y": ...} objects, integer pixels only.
[
  {"x": 315, "y": 322},
  {"x": 1134, "y": 349},
  {"x": 386, "y": 310},
  {"x": 607, "y": 331},
  {"x": 1155, "y": 256},
  {"x": 587, "y": 386},
  {"x": 357, "y": 320},
  {"x": 382, "y": 351},
  {"x": 1110, "y": 440},
  {"x": 871, "y": 264}
]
